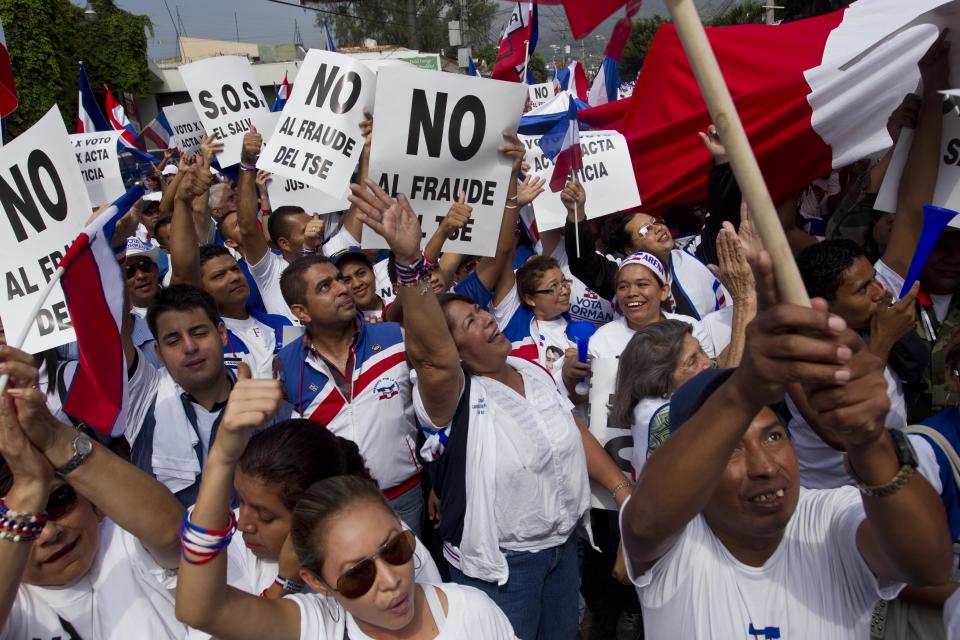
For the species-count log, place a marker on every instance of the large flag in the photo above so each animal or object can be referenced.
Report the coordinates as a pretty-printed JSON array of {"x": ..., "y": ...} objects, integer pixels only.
[
  {"x": 128, "y": 140},
  {"x": 542, "y": 119},
  {"x": 89, "y": 117},
  {"x": 8, "y": 91},
  {"x": 935, "y": 222},
  {"x": 574, "y": 79},
  {"x": 585, "y": 15},
  {"x": 562, "y": 145},
  {"x": 517, "y": 43},
  {"x": 94, "y": 288},
  {"x": 813, "y": 95},
  {"x": 329, "y": 43},
  {"x": 282, "y": 94},
  {"x": 159, "y": 132},
  {"x": 605, "y": 84}
]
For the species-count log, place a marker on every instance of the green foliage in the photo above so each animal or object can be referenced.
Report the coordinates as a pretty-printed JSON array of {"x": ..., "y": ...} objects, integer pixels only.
[
  {"x": 798, "y": 9},
  {"x": 46, "y": 40},
  {"x": 538, "y": 68},
  {"x": 486, "y": 53},
  {"x": 480, "y": 15},
  {"x": 743, "y": 13},
  {"x": 637, "y": 46}
]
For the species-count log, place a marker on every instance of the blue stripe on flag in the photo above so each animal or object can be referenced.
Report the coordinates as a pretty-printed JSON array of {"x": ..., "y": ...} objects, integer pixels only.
[{"x": 935, "y": 220}]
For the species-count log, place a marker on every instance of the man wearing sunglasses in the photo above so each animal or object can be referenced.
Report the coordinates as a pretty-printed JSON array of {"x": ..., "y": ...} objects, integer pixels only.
[
  {"x": 141, "y": 268},
  {"x": 694, "y": 290},
  {"x": 99, "y": 565}
]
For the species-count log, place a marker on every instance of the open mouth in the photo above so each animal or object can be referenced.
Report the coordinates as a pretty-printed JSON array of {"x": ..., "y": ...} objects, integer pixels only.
[
  {"x": 493, "y": 336},
  {"x": 399, "y": 605},
  {"x": 635, "y": 304},
  {"x": 768, "y": 497}
]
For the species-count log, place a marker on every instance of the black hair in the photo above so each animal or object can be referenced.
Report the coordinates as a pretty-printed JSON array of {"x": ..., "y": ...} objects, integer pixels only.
[
  {"x": 181, "y": 297},
  {"x": 613, "y": 233},
  {"x": 279, "y": 222},
  {"x": 530, "y": 273},
  {"x": 292, "y": 286},
  {"x": 822, "y": 266},
  {"x": 296, "y": 453},
  {"x": 210, "y": 251},
  {"x": 162, "y": 222}
]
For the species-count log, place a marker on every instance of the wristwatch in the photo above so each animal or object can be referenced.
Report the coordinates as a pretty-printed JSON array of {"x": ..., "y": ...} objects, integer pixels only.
[
  {"x": 82, "y": 448},
  {"x": 908, "y": 466}
]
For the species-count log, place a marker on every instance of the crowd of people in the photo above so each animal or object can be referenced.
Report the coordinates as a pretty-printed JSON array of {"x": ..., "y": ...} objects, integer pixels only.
[{"x": 408, "y": 444}]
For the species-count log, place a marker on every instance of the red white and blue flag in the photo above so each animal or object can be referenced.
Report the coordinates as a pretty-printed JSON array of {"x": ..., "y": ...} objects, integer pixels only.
[
  {"x": 89, "y": 117},
  {"x": 585, "y": 15},
  {"x": 517, "y": 43},
  {"x": 160, "y": 133},
  {"x": 562, "y": 145},
  {"x": 128, "y": 140},
  {"x": 282, "y": 94},
  {"x": 574, "y": 79},
  {"x": 94, "y": 288},
  {"x": 605, "y": 84},
  {"x": 8, "y": 91}
]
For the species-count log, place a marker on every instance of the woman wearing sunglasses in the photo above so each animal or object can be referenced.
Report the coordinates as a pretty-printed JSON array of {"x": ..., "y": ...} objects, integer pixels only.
[
  {"x": 88, "y": 542},
  {"x": 351, "y": 546}
]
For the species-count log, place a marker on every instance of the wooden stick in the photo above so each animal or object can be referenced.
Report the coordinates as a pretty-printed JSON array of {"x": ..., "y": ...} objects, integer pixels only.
[
  {"x": 734, "y": 138},
  {"x": 25, "y": 331}
]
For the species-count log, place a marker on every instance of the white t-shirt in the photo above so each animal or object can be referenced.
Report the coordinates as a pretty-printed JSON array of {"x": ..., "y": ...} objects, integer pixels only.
[
  {"x": 124, "y": 595},
  {"x": 339, "y": 241},
  {"x": 651, "y": 426},
  {"x": 815, "y": 585},
  {"x": 266, "y": 274},
  {"x": 718, "y": 326},
  {"x": 260, "y": 340},
  {"x": 611, "y": 339},
  {"x": 471, "y": 615},
  {"x": 821, "y": 466}
]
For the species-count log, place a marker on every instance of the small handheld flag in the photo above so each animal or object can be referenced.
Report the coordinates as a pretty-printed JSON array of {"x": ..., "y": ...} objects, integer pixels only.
[
  {"x": 282, "y": 94},
  {"x": 89, "y": 117}
]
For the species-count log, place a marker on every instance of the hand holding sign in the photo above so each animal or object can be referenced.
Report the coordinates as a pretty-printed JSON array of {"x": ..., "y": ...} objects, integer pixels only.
[
  {"x": 457, "y": 217},
  {"x": 251, "y": 147},
  {"x": 394, "y": 220},
  {"x": 208, "y": 147}
]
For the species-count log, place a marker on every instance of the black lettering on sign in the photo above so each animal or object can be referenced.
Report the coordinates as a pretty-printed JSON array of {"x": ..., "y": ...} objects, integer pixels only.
[
  {"x": 54, "y": 318},
  {"x": 614, "y": 447},
  {"x": 953, "y": 152},
  {"x": 20, "y": 201},
  {"x": 540, "y": 93},
  {"x": 432, "y": 126},
  {"x": 324, "y": 81},
  {"x": 209, "y": 106}
]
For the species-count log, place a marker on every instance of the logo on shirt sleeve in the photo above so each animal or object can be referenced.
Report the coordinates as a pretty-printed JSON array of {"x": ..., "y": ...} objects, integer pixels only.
[
  {"x": 386, "y": 388},
  {"x": 766, "y": 633}
]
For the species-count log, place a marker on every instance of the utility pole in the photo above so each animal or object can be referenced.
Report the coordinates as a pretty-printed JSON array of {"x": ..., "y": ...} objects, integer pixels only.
[{"x": 413, "y": 39}]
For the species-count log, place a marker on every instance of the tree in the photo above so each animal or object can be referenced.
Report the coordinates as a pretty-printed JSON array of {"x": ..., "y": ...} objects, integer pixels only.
[
  {"x": 479, "y": 19},
  {"x": 46, "y": 40},
  {"x": 637, "y": 46}
]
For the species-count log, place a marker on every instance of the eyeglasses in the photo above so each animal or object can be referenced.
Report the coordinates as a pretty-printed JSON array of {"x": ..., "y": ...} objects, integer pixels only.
[
  {"x": 62, "y": 501},
  {"x": 645, "y": 229},
  {"x": 557, "y": 288},
  {"x": 146, "y": 266},
  {"x": 358, "y": 580}
]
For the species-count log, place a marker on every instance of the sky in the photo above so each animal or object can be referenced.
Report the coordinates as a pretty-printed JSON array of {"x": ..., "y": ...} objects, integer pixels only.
[{"x": 265, "y": 22}]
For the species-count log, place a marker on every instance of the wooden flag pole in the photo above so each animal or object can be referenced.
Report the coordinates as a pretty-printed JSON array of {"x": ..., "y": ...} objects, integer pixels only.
[
  {"x": 25, "y": 331},
  {"x": 734, "y": 138}
]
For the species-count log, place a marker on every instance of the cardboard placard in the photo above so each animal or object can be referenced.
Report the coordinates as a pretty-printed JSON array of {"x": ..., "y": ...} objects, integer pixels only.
[
  {"x": 228, "y": 100},
  {"x": 288, "y": 192},
  {"x": 607, "y": 177},
  {"x": 618, "y": 443},
  {"x": 45, "y": 203},
  {"x": 540, "y": 93},
  {"x": 435, "y": 135},
  {"x": 185, "y": 123},
  {"x": 99, "y": 163}
]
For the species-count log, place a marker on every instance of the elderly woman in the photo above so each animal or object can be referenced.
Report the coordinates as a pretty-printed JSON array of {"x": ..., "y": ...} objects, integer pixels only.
[{"x": 511, "y": 465}]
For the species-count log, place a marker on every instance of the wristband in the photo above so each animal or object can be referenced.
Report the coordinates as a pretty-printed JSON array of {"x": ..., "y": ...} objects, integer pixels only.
[
  {"x": 247, "y": 167},
  {"x": 409, "y": 274},
  {"x": 200, "y": 545},
  {"x": 289, "y": 585}
]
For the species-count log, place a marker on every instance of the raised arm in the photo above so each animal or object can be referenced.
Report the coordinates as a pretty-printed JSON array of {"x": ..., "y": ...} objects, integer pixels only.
[
  {"x": 169, "y": 192},
  {"x": 588, "y": 266},
  {"x": 737, "y": 278},
  {"x": 184, "y": 246},
  {"x": 456, "y": 218},
  {"x": 252, "y": 243},
  {"x": 430, "y": 347},
  {"x": 350, "y": 221},
  {"x": 920, "y": 173},
  {"x": 204, "y": 600}
]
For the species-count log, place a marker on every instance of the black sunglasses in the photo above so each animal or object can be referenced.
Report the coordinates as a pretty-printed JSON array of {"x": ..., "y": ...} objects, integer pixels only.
[
  {"x": 145, "y": 266},
  {"x": 358, "y": 580},
  {"x": 62, "y": 501}
]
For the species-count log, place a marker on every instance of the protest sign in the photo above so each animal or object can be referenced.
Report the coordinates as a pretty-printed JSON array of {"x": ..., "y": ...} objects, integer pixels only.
[
  {"x": 97, "y": 156},
  {"x": 618, "y": 442},
  {"x": 288, "y": 192},
  {"x": 317, "y": 139},
  {"x": 947, "y": 192},
  {"x": 607, "y": 178},
  {"x": 46, "y": 205},
  {"x": 228, "y": 99},
  {"x": 435, "y": 135},
  {"x": 540, "y": 93},
  {"x": 187, "y": 128}
]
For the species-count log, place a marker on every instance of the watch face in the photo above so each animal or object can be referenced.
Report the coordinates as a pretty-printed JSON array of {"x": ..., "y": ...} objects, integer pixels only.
[{"x": 83, "y": 445}]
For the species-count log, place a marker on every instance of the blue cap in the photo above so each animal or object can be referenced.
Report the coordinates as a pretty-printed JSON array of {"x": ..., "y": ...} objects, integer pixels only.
[{"x": 688, "y": 399}]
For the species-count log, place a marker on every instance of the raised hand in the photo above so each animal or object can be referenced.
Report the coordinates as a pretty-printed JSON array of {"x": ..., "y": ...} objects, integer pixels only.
[
  {"x": 935, "y": 64},
  {"x": 573, "y": 196},
  {"x": 195, "y": 182},
  {"x": 366, "y": 128},
  {"x": 313, "y": 233},
  {"x": 734, "y": 272},
  {"x": 513, "y": 148},
  {"x": 711, "y": 140},
  {"x": 32, "y": 472},
  {"x": 529, "y": 189},
  {"x": 891, "y": 322},
  {"x": 263, "y": 177},
  {"x": 250, "y": 405},
  {"x": 208, "y": 147},
  {"x": 457, "y": 216},
  {"x": 393, "y": 219},
  {"x": 252, "y": 145}
]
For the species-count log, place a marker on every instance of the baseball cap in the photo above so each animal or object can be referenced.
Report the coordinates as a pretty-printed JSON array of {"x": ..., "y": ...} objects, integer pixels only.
[
  {"x": 170, "y": 170},
  {"x": 647, "y": 260},
  {"x": 347, "y": 254},
  {"x": 138, "y": 248},
  {"x": 690, "y": 397}
]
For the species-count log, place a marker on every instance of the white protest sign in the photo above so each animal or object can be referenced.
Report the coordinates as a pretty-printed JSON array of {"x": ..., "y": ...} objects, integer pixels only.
[
  {"x": 435, "y": 135},
  {"x": 947, "y": 192},
  {"x": 228, "y": 100},
  {"x": 317, "y": 139},
  {"x": 185, "y": 123},
  {"x": 45, "y": 204},
  {"x": 540, "y": 93},
  {"x": 607, "y": 178},
  {"x": 617, "y": 442},
  {"x": 288, "y": 192},
  {"x": 99, "y": 165}
]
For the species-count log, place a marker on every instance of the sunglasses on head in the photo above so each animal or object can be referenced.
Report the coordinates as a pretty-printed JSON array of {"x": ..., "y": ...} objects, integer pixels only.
[
  {"x": 145, "y": 266},
  {"x": 358, "y": 580},
  {"x": 62, "y": 500}
]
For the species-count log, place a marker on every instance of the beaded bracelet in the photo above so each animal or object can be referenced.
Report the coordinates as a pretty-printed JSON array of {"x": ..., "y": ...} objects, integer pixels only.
[
  {"x": 409, "y": 275},
  {"x": 18, "y": 526},
  {"x": 289, "y": 585},
  {"x": 202, "y": 543}
]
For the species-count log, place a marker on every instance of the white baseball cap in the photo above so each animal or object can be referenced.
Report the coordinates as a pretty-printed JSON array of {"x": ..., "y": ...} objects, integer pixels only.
[
  {"x": 138, "y": 248},
  {"x": 170, "y": 170}
]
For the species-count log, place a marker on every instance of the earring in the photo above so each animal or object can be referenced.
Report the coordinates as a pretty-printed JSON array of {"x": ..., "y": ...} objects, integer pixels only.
[
  {"x": 330, "y": 605},
  {"x": 417, "y": 563}
]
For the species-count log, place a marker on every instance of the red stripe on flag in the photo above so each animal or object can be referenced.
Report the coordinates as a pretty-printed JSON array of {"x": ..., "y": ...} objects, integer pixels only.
[
  {"x": 96, "y": 395},
  {"x": 329, "y": 408},
  {"x": 368, "y": 376},
  {"x": 566, "y": 161}
]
